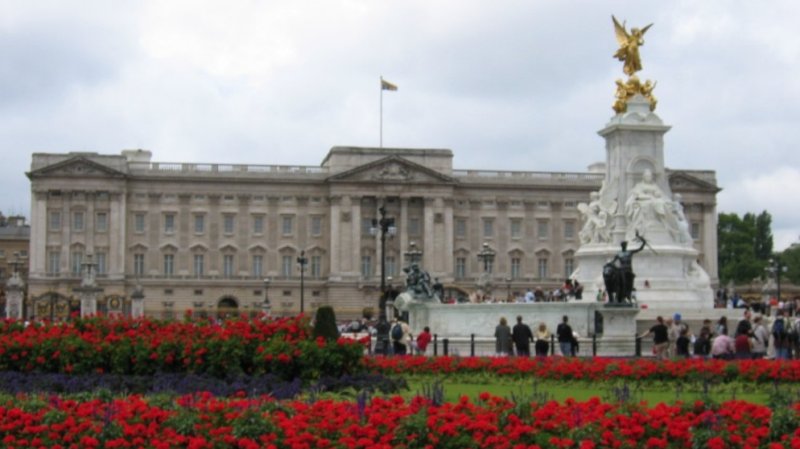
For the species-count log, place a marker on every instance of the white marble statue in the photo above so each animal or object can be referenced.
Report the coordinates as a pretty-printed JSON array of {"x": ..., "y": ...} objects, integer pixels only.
[
  {"x": 647, "y": 206},
  {"x": 598, "y": 218},
  {"x": 681, "y": 225}
]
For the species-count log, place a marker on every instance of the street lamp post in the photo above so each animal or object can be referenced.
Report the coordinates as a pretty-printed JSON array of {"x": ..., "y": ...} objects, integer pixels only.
[
  {"x": 302, "y": 261},
  {"x": 385, "y": 226},
  {"x": 775, "y": 268},
  {"x": 266, "y": 306},
  {"x": 508, "y": 289}
]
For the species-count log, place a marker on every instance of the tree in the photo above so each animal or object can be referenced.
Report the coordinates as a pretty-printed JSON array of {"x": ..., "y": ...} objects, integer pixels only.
[
  {"x": 738, "y": 255},
  {"x": 790, "y": 257},
  {"x": 763, "y": 236}
]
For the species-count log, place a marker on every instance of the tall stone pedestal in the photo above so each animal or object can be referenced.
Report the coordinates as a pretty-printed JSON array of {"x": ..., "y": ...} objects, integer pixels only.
[
  {"x": 619, "y": 331},
  {"x": 636, "y": 200},
  {"x": 14, "y": 293}
]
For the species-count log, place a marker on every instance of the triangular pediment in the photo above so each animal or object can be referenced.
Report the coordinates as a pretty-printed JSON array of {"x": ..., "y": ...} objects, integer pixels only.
[
  {"x": 78, "y": 166},
  {"x": 392, "y": 169},
  {"x": 689, "y": 180}
]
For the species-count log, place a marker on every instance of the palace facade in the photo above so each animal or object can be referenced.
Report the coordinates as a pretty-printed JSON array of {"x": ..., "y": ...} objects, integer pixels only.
[{"x": 211, "y": 237}]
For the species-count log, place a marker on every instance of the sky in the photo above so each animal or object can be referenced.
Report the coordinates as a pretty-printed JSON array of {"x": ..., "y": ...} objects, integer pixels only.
[{"x": 506, "y": 85}]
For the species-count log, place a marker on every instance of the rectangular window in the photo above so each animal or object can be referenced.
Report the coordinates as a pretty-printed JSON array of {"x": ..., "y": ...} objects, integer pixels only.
[
  {"x": 316, "y": 226},
  {"x": 77, "y": 221},
  {"x": 542, "y": 268},
  {"x": 287, "y": 225},
  {"x": 413, "y": 226},
  {"x": 169, "y": 265},
  {"x": 516, "y": 228},
  {"x": 100, "y": 260},
  {"x": 54, "y": 224},
  {"x": 461, "y": 267},
  {"x": 569, "y": 230},
  {"x": 569, "y": 266},
  {"x": 286, "y": 266},
  {"x": 391, "y": 266},
  {"x": 543, "y": 229},
  {"x": 199, "y": 265},
  {"x": 258, "y": 266},
  {"x": 258, "y": 224},
  {"x": 169, "y": 223},
  {"x": 199, "y": 224},
  {"x": 53, "y": 262},
  {"x": 138, "y": 222},
  {"x": 461, "y": 228},
  {"x": 316, "y": 267},
  {"x": 488, "y": 227},
  {"x": 101, "y": 222},
  {"x": 138, "y": 264},
  {"x": 516, "y": 265},
  {"x": 76, "y": 261},
  {"x": 227, "y": 265},
  {"x": 366, "y": 266},
  {"x": 227, "y": 224},
  {"x": 695, "y": 230}
]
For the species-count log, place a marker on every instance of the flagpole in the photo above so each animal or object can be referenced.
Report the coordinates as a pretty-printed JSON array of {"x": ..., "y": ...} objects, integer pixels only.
[{"x": 381, "y": 114}]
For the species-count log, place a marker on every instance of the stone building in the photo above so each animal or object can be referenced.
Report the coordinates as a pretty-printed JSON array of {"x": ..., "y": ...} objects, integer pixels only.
[{"x": 211, "y": 237}]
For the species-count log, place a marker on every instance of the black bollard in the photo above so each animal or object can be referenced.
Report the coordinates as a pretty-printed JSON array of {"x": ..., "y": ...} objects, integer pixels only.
[
  {"x": 445, "y": 346},
  {"x": 435, "y": 345},
  {"x": 594, "y": 345},
  {"x": 472, "y": 345},
  {"x": 552, "y": 344},
  {"x": 638, "y": 346}
]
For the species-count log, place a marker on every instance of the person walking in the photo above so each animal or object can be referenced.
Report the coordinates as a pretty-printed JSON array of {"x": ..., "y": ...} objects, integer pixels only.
[
  {"x": 423, "y": 339},
  {"x": 542, "y": 345},
  {"x": 502, "y": 338},
  {"x": 564, "y": 334},
  {"x": 660, "y": 334},
  {"x": 522, "y": 336}
]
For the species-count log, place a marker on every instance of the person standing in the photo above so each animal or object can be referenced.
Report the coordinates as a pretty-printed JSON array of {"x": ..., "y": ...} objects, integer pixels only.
[
  {"x": 780, "y": 334},
  {"x": 542, "y": 344},
  {"x": 760, "y": 338},
  {"x": 502, "y": 338},
  {"x": 522, "y": 336},
  {"x": 660, "y": 338},
  {"x": 401, "y": 338},
  {"x": 723, "y": 346},
  {"x": 423, "y": 339},
  {"x": 682, "y": 344},
  {"x": 564, "y": 334}
]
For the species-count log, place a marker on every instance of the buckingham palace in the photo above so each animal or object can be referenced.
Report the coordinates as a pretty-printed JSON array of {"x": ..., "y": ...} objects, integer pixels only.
[{"x": 219, "y": 236}]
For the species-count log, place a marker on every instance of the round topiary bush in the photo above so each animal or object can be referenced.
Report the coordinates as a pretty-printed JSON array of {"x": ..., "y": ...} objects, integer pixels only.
[{"x": 325, "y": 324}]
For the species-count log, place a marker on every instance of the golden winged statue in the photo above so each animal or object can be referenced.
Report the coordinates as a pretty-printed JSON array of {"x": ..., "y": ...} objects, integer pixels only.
[{"x": 629, "y": 44}]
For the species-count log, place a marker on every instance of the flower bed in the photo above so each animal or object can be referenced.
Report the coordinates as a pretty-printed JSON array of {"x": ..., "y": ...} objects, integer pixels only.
[
  {"x": 143, "y": 347},
  {"x": 571, "y": 368},
  {"x": 204, "y": 422}
]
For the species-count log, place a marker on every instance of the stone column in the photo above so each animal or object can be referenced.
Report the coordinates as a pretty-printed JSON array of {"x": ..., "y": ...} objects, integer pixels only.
[
  {"x": 402, "y": 227},
  {"x": 428, "y": 238},
  {"x": 335, "y": 220},
  {"x": 38, "y": 243},
  {"x": 449, "y": 240},
  {"x": 355, "y": 255},
  {"x": 117, "y": 226}
]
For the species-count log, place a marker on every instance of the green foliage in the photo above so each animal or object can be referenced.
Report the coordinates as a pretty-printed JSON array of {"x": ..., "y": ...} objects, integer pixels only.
[
  {"x": 325, "y": 324},
  {"x": 791, "y": 259},
  {"x": 744, "y": 246}
]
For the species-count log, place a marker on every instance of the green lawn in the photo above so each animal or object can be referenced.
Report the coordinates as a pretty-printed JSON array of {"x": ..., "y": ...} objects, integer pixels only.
[{"x": 543, "y": 390}]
